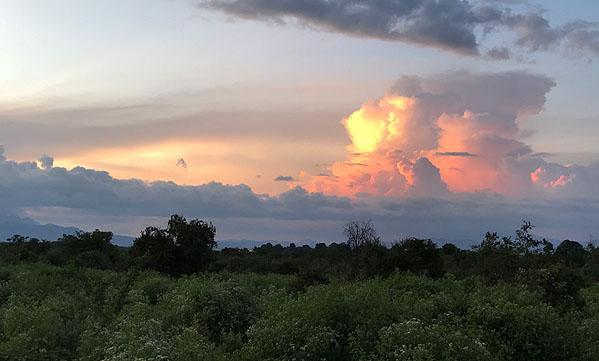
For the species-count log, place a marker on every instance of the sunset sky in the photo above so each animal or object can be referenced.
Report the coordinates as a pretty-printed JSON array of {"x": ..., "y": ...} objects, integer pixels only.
[{"x": 282, "y": 119}]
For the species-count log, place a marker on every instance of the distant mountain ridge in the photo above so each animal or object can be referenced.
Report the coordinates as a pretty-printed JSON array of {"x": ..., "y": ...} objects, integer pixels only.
[{"x": 11, "y": 225}]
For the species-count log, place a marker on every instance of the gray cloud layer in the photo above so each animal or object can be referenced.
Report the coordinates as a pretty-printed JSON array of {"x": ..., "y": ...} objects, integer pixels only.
[
  {"x": 24, "y": 186},
  {"x": 450, "y": 24}
]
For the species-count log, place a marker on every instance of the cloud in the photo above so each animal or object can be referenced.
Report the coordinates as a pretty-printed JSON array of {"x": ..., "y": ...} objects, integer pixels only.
[
  {"x": 425, "y": 180},
  {"x": 570, "y": 180},
  {"x": 535, "y": 33},
  {"x": 2, "y": 157},
  {"x": 455, "y": 154},
  {"x": 46, "y": 161},
  {"x": 458, "y": 129},
  {"x": 451, "y": 24},
  {"x": 181, "y": 163},
  {"x": 284, "y": 178},
  {"x": 26, "y": 185},
  {"x": 445, "y": 24},
  {"x": 499, "y": 53},
  {"x": 92, "y": 199},
  {"x": 111, "y": 127}
]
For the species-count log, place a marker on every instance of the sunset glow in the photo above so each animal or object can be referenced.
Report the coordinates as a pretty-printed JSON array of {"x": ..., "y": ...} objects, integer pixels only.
[
  {"x": 299, "y": 114},
  {"x": 377, "y": 122}
]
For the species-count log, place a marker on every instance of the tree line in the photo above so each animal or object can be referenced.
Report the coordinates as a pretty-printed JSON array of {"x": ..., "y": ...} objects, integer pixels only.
[{"x": 187, "y": 247}]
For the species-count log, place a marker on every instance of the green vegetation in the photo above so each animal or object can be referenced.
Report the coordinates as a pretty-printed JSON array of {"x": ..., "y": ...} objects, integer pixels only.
[{"x": 173, "y": 297}]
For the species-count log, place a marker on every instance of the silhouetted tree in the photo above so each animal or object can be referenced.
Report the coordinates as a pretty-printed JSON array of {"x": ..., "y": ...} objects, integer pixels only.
[
  {"x": 195, "y": 241},
  {"x": 87, "y": 249},
  {"x": 449, "y": 249},
  {"x": 155, "y": 249},
  {"x": 497, "y": 258},
  {"x": 571, "y": 253},
  {"x": 23, "y": 249},
  {"x": 360, "y": 233},
  {"x": 527, "y": 244},
  {"x": 182, "y": 248},
  {"x": 418, "y": 256}
]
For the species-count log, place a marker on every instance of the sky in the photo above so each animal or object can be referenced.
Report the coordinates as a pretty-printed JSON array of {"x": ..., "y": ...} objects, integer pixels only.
[{"x": 281, "y": 119}]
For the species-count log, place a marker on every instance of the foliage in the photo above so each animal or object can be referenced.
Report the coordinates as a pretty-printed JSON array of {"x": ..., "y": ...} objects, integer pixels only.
[
  {"x": 182, "y": 248},
  {"x": 173, "y": 297},
  {"x": 68, "y": 313}
]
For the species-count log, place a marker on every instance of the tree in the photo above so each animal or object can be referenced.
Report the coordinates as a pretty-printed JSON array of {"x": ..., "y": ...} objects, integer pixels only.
[
  {"x": 182, "y": 248},
  {"x": 360, "y": 233},
  {"x": 497, "y": 258},
  {"x": 526, "y": 243},
  {"x": 155, "y": 249},
  {"x": 23, "y": 249},
  {"x": 417, "y": 255},
  {"x": 88, "y": 249},
  {"x": 571, "y": 253}
]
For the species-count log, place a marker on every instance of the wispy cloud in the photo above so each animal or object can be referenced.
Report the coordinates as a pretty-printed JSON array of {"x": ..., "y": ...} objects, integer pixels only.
[
  {"x": 455, "y": 154},
  {"x": 181, "y": 163},
  {"x": 284, "y": 178}
]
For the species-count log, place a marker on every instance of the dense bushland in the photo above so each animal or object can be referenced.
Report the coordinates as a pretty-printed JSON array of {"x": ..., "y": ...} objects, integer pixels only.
[
  {"x": 172, "y": 296},
  {"x": 69, "y": 313}
]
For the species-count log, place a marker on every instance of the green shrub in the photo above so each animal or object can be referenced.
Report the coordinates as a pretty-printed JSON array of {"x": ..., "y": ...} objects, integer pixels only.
[{"x": 414, "y": 340}]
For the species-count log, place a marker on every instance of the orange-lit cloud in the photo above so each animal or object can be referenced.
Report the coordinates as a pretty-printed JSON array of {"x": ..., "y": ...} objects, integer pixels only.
[
  {"x": 455, "y": 133},
  {"x": 231, "y": 161},
  {"x": 541, "y": 176}
]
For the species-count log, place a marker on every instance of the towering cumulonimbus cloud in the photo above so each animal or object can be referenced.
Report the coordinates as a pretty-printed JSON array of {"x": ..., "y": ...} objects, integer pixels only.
[
  {"x": 455, "y": 132},
  {"x": 454, "y": 25}
]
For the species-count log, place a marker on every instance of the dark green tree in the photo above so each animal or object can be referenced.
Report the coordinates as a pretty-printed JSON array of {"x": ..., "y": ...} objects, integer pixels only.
[
  {"x": 416, "y": 255},
  {"x": 182, "y": 248},
  {"x": 87, "y": 249},
  {"x": 571, "y": 253}
]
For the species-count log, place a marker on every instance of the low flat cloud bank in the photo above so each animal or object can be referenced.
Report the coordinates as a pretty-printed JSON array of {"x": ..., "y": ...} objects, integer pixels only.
[{"x": 89, "y": 198}]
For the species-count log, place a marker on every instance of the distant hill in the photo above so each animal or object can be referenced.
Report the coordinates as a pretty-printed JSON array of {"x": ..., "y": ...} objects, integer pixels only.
[{"x": 11, "y": 225}]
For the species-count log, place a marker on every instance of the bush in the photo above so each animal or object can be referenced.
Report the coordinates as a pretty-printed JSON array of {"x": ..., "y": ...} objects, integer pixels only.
[{"x": 413, "y": 340}]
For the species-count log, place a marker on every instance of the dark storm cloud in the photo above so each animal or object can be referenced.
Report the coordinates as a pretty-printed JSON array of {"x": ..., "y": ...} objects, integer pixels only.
[
  {"x": 446, "y": 24},
  {"x": 451, "y": 24}
]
